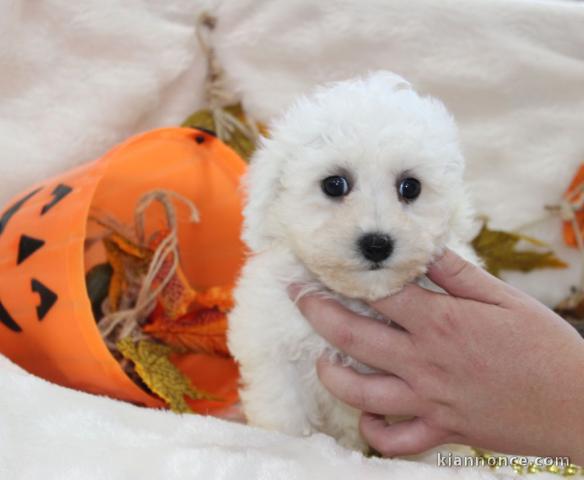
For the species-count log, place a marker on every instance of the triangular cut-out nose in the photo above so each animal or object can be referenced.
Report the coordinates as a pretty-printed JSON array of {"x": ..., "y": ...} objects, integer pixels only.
[{"x": 27, "y": 246}]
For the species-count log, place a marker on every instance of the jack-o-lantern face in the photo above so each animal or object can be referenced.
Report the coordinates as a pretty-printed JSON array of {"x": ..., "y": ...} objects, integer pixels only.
[
  {"x": 46, "y": 322},
  {"x": 27, "y": 246}
]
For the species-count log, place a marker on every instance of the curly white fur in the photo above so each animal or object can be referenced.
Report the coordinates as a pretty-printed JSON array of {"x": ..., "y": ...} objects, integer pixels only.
[{"x": 374, "y": 129}]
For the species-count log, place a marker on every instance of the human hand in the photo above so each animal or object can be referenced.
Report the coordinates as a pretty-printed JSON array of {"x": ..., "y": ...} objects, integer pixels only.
[{"x": 484, "y": 365}]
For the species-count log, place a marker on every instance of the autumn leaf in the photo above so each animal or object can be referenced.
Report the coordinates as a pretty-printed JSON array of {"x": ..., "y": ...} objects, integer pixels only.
[
  {"x": 242, "y": 142},
  {"x": 202, "y": 119},
  {"x": 153, "y": 366},
  {"x": 128, "y": 247},
  {"x": 498, "y": 250},
  {"x": 97, "y": 281},
  {"x": 216, "y": 297},
  {"x": 204, "y": 330},
  {"x": 177, "y": 295},
  {"x": 127, "y": 260},
  {"x": 574, "y": 197}
]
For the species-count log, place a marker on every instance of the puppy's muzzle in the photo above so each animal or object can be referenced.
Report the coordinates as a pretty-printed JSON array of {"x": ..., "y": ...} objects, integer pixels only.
[{"x": 375, "y": 247}]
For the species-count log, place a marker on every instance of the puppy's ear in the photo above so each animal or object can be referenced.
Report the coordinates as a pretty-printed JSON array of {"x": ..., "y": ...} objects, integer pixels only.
[{"x": 261, "y": 184}]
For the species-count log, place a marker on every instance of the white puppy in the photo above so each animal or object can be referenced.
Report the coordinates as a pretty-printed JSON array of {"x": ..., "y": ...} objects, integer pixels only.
[{"x": 355, "y": 192}]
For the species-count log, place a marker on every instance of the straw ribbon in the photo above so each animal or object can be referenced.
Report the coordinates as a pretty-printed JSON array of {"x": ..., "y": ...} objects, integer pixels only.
[
  {"x": 217, "y": 94},
  {"x": 571, "y": 204},
  {"x": 567, "y": 209},
  {"x": 129, "y": 319}
]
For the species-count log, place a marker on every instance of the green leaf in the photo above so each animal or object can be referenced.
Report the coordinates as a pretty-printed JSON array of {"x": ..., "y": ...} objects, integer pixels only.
[
  {"x": 498, "y": 250},
  {"x": 153, "y": 366},
  {"x": 200, "y": 119},
  {"x": 98, "y": 281},
  {"x": 243, "y": 144}
]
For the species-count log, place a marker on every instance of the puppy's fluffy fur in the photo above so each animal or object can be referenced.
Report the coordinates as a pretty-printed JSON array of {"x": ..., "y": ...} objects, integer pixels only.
[{"x": 375, "y": 131}]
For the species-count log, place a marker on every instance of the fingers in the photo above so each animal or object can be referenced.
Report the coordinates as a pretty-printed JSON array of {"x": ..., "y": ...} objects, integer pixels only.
[
  {"x": 374, "y": 393},
  {"x": 364, "y": 339},
  {"x": 463, "y": 279},
  {"x": 411, "y": 308},
  {"x": 408, "y": 437},
  {"x": 414, "y": 307}
]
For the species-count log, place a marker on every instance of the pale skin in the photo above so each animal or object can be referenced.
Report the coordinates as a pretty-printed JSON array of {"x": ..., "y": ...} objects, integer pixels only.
[{"x": 483, "y": 365}]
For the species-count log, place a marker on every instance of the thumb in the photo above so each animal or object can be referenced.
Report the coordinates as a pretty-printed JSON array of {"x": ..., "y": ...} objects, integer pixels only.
[{"x": 461, "y": 278}]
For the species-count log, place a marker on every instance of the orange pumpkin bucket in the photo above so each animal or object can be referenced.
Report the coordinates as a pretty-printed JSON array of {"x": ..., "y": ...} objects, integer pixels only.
[{"x": 46, "y": 320}]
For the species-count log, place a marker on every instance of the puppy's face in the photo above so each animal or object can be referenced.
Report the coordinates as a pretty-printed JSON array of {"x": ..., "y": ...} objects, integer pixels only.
[{"x": 366, "y": 184}]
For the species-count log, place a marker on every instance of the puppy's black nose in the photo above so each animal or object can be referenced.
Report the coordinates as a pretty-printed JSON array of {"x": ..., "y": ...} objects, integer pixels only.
[{"x": 376, "y": 246}]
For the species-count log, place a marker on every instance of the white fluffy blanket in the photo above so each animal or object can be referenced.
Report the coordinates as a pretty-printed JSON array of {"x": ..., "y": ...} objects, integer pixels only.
[
  {"x": 54, "y": 433},
  {"x": 77, "y": 77}
]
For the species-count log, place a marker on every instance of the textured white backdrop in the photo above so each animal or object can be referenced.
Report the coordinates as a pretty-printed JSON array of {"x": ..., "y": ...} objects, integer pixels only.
[{"x": 78, "y": 77}]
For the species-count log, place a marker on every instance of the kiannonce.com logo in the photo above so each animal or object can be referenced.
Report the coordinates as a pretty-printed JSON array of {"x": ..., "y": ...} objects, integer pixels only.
[{"x": 500, "y": 461}]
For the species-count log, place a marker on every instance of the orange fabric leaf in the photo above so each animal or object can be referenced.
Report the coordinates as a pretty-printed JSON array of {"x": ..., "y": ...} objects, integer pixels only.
[
  {"x": 575, "y": 196},
  {"x": 216, "y": 375},
  {"x": 178, "y": 295},
  {"x": 128, "y": 247},
  {"x": 204, "y": 330},
  {"x": 216, "y": 297},
  {"x": 126, "y": 258}
]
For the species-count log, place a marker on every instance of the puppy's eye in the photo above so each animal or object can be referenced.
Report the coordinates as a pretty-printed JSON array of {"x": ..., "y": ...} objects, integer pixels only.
[
  {"x": 336, "y": 186},
  {"x": 409, "y": 188}
]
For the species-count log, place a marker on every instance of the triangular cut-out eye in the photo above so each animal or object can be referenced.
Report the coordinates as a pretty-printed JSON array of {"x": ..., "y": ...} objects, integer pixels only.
[
  {"x": 7, "y": 319},
  {"x": 9, "y": 213},
  {"x": 60, "y": 192},
  {"x": 48, "y": 298},
  {"x": 27, "y": 246}
]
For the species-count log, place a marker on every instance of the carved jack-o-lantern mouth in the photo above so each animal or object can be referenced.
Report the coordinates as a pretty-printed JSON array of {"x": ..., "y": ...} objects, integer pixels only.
[
  {"x": 27, "y": 246},
  {"x": 46, "y": 321}
]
